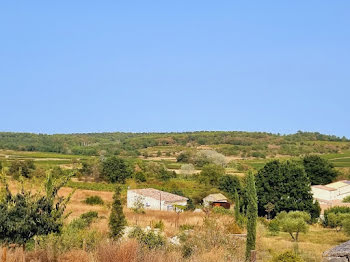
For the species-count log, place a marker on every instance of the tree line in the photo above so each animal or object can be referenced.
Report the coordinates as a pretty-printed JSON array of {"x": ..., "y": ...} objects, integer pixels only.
[{"x": 131, "y": 143}]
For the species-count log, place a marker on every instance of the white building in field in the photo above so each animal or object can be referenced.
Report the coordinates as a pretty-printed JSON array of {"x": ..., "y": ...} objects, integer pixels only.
[
  {"x": 154, "y": 199},
  {"x": 333, "y": 191}
]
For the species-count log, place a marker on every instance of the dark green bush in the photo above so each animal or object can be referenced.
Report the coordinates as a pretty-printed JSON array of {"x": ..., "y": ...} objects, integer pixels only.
[
  {"x": 140, "y": 177},
  {"x": 334, "y": 210},
  {"x": 94, "y": 200},
  {"x": 83, "y": 221},
  {"x": 187, "y": 251},
  {"x": 274, "y": 227},
  {"x": 186, "y": 227},
  {"x": 159, "y": 225}
]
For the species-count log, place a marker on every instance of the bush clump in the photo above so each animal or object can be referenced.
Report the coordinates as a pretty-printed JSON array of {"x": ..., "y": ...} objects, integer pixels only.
[
  {"x": 346, "y": 199},
  {"x": 159, "y": 225},
  {"x": 94, "y": 200},
  {"x": 222, "y": 211},
  {"x": 335, "y": 210},
  {"x": 287, "y": 256},
  {"x": 149, "y": 239}
]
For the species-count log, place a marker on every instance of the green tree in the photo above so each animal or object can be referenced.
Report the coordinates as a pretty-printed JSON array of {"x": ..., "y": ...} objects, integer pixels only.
[
  {"x": 86, "y": 168},
  {"x": 115, "y": 170},
  {"x": 286, "y": 185},
  {"x": 335, "y": 220},
  {"x": 252, "y": 214},
  {"x": 319, "y": 170},
  {"x": 24, "y": 215},
  {"x": 294, "y": 223},
  {"x": 211, "y": 174},
  {"x": 140, "y": 177},
  {"x": 184, "y": 157},
  {"x": 230, "y": 184},
  {"x": 21, "y": 168},
  {"x": 269, "y": 207},
  {"x": 164, "y": 174},
  {"x": 190, "y": 205},
  {"x": 117, "y": 221},
  {"x": 237, "y": 212}
]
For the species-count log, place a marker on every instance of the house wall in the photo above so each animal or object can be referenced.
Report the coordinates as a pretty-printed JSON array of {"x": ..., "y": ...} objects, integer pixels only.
[
  {"x": 338, "y": 194},
  {"x": 151, "y": 203}
]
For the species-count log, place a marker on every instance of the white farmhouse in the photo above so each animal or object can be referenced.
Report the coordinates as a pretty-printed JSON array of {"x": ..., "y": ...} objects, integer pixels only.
[
  {"x": 333, "y": 191},
  {"x": 154, "y": 199}
]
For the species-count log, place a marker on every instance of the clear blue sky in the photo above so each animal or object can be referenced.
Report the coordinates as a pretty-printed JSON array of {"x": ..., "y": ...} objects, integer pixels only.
[{"x": 93, "y": 66}]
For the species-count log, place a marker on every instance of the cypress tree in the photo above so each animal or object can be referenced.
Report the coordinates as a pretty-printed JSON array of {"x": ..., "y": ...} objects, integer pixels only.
[
  {"x": 117, "y": 220},
  {"x": 237, "y": 207},
  {"x": 252, "y": 214}
]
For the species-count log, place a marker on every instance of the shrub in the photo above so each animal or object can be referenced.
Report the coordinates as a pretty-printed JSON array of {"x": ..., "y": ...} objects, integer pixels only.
[
  {"x": 222, "y": 211},
  {"x": 274, "y": 227},
  {"x": 149, "y": 239},
  {"x": 94, "y": 200},
  {"x": 187, "y": 250},
  {"x": 89, "y": 216},
  {"x": 233, "y": 228},
  {"x": 334, "y": 210},
  {"x": 73, "y": 235},
  {"x": 346, "y": 199},
  {"x": 152, "y": 240},
  {"x": 140, "y": 177},
  {"x": 83, "y": 221},
  {"x": 346, "y": 225},
  {"x": 159, "y": 225},
  {"x": 186, "y": 227},
  {"x": 190, "y": 205},
  {"x": 287, "y": 256}
]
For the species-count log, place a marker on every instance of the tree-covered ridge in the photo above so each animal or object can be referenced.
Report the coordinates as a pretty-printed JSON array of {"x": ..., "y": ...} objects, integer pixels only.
[{"x": 257, "y": 144}]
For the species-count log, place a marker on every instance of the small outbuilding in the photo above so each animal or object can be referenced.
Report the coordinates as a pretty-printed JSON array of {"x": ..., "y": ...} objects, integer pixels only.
[
  {"x": 154, "y": 199},
  {"x": 216, "y": 200},
  {"x": 333, "y": 191}
]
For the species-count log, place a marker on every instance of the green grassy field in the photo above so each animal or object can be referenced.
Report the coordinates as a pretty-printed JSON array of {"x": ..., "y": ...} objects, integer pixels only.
[{"x": 339, "y": 160}]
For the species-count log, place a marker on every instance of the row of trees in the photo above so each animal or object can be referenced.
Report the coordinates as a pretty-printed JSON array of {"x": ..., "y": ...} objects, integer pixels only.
[{"x": 130, "y": 143}]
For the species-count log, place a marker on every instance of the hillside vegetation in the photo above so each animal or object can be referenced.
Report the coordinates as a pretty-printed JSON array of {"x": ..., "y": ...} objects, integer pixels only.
[
  {"x": 189, "y": 164},
  {"x": 241, "y": 144}
]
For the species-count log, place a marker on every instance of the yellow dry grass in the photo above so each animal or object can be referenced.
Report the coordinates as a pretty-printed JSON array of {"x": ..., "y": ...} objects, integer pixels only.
[{"x": 311, "y": 245}]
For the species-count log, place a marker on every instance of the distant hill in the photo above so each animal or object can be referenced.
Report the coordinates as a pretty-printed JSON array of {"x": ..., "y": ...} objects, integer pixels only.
[{"x": 235, "y": 143}]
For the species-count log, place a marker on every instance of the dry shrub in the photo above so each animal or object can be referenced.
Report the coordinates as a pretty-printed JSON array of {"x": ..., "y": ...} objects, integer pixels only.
[
  {"x": 131, "y": 251},
  {"x": 212, "y": 237},
  {"x": 39, "y": 256},
  {"x": 75, "y": 256},
  {"x": 233, "y": 228},
  {"x": 14, "y": 255},
  {"x": 113, "y": 252},
  {"x": 159, "y": 256}
]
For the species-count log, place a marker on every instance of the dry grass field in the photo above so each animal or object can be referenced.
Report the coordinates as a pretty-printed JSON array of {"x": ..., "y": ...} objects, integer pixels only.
[{"x": 311, "y": 245}]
